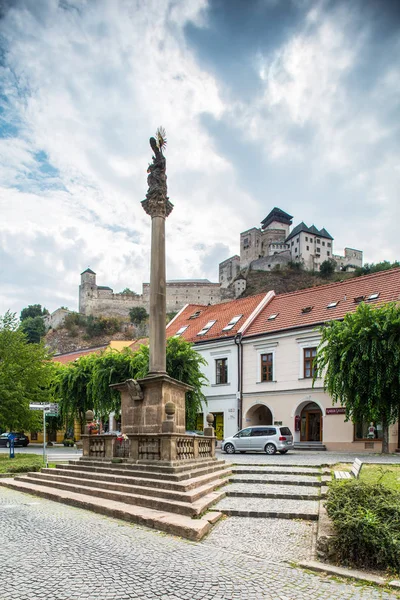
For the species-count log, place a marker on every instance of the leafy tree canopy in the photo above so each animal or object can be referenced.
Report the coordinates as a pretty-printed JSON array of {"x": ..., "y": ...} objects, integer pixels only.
[
  {"x": 375, "y": 268},
  {"x": 359, "y": 358},
  {"x": 137, "y": 315},
  {"x": 34, "y": 328},
  {"x": 128, "y": 291},
  {"x": 84, "y": 384},
  {"x": 327, "y": 268},
  {"x": 26, "y": 375},
  {"x": 33, "y": 310}
]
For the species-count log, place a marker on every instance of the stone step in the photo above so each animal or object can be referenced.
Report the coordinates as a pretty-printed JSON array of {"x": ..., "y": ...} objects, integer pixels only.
[
  {"x": 269, "y": 470},
  {"x": 172, "y": 523},
  {"x": 181, "y": 486},
  {"x": 47, "y": 477},
  {"x": 316, "y": 446},
  {"x": 300, "y": 480},
  {"x": 153, "y": 466},
  {"x": 132, "y": 471},
  {"x": 269, "y": 508},
  {"x": 263, "y": 490},
  {"x": 196, "y": 508}
]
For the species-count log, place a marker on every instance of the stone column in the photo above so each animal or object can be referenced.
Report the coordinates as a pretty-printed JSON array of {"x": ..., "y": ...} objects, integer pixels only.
[{"x": 158, "y": 299}]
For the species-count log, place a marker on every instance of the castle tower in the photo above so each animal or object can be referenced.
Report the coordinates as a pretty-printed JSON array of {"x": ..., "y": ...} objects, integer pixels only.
[{"x": 87, "y": 289}]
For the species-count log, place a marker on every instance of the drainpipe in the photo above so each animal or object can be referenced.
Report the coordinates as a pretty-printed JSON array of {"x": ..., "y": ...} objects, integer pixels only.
[{"x": 238, "y": 342}]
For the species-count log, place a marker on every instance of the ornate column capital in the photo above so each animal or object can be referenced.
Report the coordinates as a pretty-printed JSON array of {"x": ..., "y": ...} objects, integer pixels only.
[{"x": 157, "y": 207}]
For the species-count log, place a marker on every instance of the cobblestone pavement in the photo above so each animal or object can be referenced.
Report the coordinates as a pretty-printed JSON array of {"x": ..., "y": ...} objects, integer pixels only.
[
  {"x": 304, "y": 458},
  {"x": 264, "y": 488},
  {"x": 307, "y": 479},
  {"x": 306, "y": 507},
  {"x": 50, "y": 551}
]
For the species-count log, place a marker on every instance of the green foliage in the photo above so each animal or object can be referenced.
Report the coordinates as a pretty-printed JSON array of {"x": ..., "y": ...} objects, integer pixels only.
[
  {"x": 327, "y": 268},
  {"x": 26, "y": 374},
  {"x": 366, "y": 518},
  {"x": 171, "y": 315},
  {"x": 138, "y": 315},
  {"x": 21, "y": 463},
  {"x": 85, "y": 384},
  {"x": 385, "y": 265},
  {"x": 128, "y": 291},
  {"x": 359, "y": 358},
  {"x": 74, "y": 320},
  {"x": 295, "y": 265},
  {"x": 34, "y": 329},
  {"x": 96, "y": 326},
  {"x": 33, "y": 310}
]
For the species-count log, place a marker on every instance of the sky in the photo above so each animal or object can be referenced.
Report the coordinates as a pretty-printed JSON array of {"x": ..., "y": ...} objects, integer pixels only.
[{"x": 288, "y": 103}]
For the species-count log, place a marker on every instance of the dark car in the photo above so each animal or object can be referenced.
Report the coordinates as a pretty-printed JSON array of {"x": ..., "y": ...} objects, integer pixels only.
[{"x": 20, "y": 439}]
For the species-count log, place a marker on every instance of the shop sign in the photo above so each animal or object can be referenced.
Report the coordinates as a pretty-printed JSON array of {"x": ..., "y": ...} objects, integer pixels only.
[{"x": 339, "y": 410}]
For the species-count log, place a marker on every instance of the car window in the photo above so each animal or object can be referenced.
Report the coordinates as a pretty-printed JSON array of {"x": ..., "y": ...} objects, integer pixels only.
[
  {"x": 259, "y": 432},
  {"x": 285, "y": 431},
  {"x": 244, "y": 433},
  {"x": 271, "y": 431}
]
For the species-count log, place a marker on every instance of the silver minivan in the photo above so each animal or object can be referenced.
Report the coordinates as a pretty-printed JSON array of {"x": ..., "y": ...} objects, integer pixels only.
[{"x": 267, "y": 438}]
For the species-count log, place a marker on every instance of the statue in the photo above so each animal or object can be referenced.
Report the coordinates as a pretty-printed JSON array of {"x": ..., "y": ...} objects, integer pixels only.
[
  {"x": 157, "y": 202},
  {"x": 134, "y": 389}
]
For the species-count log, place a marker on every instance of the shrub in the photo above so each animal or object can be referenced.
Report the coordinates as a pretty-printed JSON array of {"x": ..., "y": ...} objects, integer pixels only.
[
  {"x": 366, "y": 518},
  {"x": 23, "y": 468}
]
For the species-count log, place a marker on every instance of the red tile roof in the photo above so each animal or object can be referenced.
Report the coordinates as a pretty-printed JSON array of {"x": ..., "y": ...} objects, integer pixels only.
[
  {"x": 71, "y": 356},
  {"x": 221, "y": 313},
  {"x": 289, "y": 307}
]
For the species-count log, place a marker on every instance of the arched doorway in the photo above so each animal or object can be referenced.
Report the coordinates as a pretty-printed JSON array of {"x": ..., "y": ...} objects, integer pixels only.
[
  {"x": 311, "y": 423},
  {"x": 259, "y": 414}
]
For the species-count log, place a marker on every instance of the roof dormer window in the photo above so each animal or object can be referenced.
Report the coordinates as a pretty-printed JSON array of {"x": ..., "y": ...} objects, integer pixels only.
[
  {"x": 373, "y": 296},
  {"x": 359, "y": 299},
  {"x": 195, "y": 315},
  {"x": 206, "y": 327},
  {"x": 307, "y": 309},
  {"x": 181, "y": 330},
  {"x": 333, "y": 304},
  {"x": 272, "y": 317},
  {"x": 232, "y": 323}
]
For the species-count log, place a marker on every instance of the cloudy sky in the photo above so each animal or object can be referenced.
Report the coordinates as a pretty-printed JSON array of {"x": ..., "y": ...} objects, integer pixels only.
[{"x": 289, "y": 103}]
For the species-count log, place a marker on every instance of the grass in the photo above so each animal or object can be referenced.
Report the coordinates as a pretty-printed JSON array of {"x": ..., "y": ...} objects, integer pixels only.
[
  {"x": 21, "y": 463},
  {"x": 388, "y": 475}
]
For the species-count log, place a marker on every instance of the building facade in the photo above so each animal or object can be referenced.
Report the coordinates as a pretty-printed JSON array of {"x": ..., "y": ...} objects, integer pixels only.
[
  {"x": 99, "y": 300},
  {"x": 273, "y": 352},
  {"x": 274, "y": 243}
]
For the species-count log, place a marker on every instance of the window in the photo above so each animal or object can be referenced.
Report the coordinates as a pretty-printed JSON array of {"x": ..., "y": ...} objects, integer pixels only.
[
  {"x": 246, "y": 243},
  {"x": 318, "y": 250},
  {"x": 333, "y": 304},
  {"x": 232, "y": 323},
  {"x": 309, "y": 358},
  {"x": 373, "y": 296},
  {"x": 34, "y": 436},
  {"x": 329, "y": 244},
  {"x": 272, "y": 317},
  {"x": 262, "y": 431},
  {"x": 328, "y": 253},
  {"x": 206, "y": 327},
  {"x": 297, "y": 240},
  {"x": 221, "y": 370},
  {"x": 244, "y": 433},
  {"x": 266, "y": 366},
  {"x": 318, "y": 241},
  {"x": 181, "y": 330},
  {"x": 368, "y": 430},
  {"x": 306, "y": 239},
  {"x": 323, "y": 243},
  {"x": 359, "y": 299},
  {"x": 292, "y": 243},
  {"x": 307, "y": 309},
  {"x": 308, "y": 247},
  {"x": 295, "y": 250}
]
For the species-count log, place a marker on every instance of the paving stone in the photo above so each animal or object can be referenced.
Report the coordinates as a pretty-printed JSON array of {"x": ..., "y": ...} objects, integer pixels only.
[
  {"x": 268, "y": 505},
  {"x": 69, "y": 553},
  {"x": 279, "y": 477},
  {"x": 273, "y": 489}
]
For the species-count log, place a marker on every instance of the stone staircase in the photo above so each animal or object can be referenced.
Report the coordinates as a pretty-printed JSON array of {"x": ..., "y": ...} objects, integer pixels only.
[
  {"x": 316, "y": 446},
  {"x": 172, "y": 497},
  {"x": 284, "y": 492}
]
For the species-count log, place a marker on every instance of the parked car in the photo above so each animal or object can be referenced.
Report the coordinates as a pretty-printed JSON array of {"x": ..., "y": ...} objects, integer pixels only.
[
  {"x": 20, "y": 439},
  {"x": 267, "y": 438}
]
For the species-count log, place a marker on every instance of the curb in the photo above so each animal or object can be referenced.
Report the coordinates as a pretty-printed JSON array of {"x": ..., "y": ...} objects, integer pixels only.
[{"x": 320, "y": 567}]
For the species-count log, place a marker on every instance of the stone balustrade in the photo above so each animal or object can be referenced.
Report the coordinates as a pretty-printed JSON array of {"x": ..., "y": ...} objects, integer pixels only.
[{"x": 164, "y": 446}]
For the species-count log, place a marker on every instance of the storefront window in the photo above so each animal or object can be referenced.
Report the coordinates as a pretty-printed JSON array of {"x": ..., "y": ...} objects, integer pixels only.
[{"x": 368, "y": 430}]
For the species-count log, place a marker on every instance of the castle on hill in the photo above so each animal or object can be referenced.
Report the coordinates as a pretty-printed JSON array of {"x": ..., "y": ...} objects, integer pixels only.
[{"x": 261, "y": 249}]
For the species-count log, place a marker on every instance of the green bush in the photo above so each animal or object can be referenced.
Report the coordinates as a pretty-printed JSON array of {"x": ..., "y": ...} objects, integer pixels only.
[
  {"x": 366, "y": 518},
  {"x": 23, "y": 468}
]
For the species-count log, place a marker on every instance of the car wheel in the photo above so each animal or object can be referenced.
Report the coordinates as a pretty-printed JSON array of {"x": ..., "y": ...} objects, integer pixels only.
[
  {"x": 270, "y": 449},
  {"x": 229, "y": 448},
  {"x": 282, "y": 451}
]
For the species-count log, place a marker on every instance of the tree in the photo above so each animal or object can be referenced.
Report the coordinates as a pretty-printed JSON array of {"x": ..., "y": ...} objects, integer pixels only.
[
  {"x": 327, "y": 268},
  {"x": 26, "y": 375},
  {"x": 85, "y": 384},
  {"x": 34, "y": 329},
  {"x": 33, "y": 310},
  {"x": 129, "y": 292},
  {"x": 359, "y": 358},
  {"x": 138, "y": 315}
]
